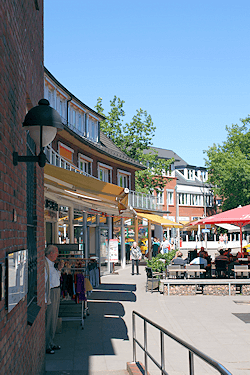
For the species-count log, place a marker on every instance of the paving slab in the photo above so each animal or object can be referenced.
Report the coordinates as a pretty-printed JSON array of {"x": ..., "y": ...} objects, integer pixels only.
[{"x": 215, "y": 325}]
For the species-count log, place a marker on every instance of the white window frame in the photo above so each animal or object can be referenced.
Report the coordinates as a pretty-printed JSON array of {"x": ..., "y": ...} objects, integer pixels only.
[
  {"x": 170, "y": 202},
  {"x": 84, "y": 158},
  {"x": 67, "y": 147},
  {"x": 160, "y": 197},
  {"x": 107, "y": 167},
  {"x": 120, "y": 173}
]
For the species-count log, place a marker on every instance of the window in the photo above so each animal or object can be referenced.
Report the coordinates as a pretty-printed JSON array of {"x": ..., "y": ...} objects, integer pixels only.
[
  {"x": 160, "y": 197},
  {"x": 31, "y": 224},
  {"x": 65, "y": 151},
  {"x": 93, "y": 129},
  {"x": 123, "y": 178},
  {"x": 170, "y": 197},
  {"x": 104, "y": 172},
  {"x": 80, "y": 122},
  {"x": 74, "y": 118},
  {"x": 85, "y": 164},
  {"x": 190, "y": 174},
  {"x": 61, "y": 108}
]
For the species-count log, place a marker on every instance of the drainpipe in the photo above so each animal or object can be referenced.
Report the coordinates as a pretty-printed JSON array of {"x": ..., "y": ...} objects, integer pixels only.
[{"x": 69, "y": 100}]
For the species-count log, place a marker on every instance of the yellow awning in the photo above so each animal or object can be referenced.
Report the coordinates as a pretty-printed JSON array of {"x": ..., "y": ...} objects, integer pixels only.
[
  {"x": 75, "y": 186},
  {"x": 158, "y": 220}
]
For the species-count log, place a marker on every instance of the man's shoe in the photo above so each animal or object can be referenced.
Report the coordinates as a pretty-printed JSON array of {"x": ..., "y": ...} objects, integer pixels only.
[
  {"x": 56, "y": 347},
  {"x": 50, "y": 351}
]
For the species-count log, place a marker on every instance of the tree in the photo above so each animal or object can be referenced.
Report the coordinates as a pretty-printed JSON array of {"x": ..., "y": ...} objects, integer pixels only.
[
  {"x": 133, "y": 138},
  {"x": 229, "y": 166}
]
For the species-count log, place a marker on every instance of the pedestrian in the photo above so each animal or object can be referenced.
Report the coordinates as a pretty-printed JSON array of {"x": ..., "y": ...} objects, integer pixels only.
[
  {"x": 165, "y": 246},
  {"x": 52, "y": 296},
  {"x": 135, "y": 256}
]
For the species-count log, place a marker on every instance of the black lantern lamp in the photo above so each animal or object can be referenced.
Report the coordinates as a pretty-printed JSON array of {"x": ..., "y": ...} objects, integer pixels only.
[{"x": 42, "y": 122}]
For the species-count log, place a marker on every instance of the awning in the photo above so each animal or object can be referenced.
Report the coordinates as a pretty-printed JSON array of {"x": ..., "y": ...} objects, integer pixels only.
[
  {"x": 231, "y": 228},
  {"x": 96, "y": 194},
  {"x": 158, "y": 220}
]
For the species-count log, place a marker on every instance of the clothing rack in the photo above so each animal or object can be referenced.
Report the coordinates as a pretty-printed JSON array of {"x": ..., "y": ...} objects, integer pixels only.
[{"x": 85, "y": 271}]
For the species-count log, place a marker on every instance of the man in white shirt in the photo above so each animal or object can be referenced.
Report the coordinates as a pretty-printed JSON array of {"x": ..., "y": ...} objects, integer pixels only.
[
  {"x": 165, "y": 246},
  {"x": 52, "y": 296},
  {"x": 199, "y": 260}
]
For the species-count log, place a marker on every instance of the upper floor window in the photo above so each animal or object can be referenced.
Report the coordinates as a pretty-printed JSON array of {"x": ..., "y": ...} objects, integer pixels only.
[
  {"x": 85, "y": 163},
  {"x": 170, "y": 197},
  {"x": 74, "y": 118},
  {"x": 160, "y": 197},
  {"x": 190, "y": 174},
  {"x": 124, "y": 179},
  {"x": 65, "y": 151},
  {"x": 105, "y": 172},
  {"x": 61, "y": 108},
  {"x": 92, "y": 131}
]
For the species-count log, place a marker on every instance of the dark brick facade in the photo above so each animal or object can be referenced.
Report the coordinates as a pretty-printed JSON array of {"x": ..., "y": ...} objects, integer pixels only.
[{"x": 21, "y": 82}]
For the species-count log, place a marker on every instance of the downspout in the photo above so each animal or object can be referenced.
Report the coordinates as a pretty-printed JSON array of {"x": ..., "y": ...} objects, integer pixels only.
[{"x": 69, "y": 100}]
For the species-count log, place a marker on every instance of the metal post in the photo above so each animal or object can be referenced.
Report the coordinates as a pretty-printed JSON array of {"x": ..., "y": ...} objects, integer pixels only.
[
  {"x": 145, "y": 348},
  {"x": 133, "y": 327},
  {"x": 191, "y": 363},
  {"x": 162, "y": 353}
]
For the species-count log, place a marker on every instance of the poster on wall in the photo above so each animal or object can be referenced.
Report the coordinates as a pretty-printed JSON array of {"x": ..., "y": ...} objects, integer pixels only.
[{"x": 113, "y": 250}]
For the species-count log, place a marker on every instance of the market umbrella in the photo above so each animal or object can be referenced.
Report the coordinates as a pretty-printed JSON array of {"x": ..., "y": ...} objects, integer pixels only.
[{"x": 239, "y": 216}]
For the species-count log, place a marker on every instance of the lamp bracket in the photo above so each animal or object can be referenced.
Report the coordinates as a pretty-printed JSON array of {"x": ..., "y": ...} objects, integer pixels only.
[{"x": 40, "y": 159}]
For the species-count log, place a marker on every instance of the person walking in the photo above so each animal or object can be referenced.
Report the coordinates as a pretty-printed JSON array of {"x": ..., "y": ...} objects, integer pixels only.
[
  {"x": 135, "y": 256},
  {"x": 52, "y": 296}
]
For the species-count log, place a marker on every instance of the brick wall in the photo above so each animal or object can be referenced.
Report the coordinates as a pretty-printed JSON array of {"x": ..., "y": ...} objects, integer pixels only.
[{"x": 21, "y": 66}]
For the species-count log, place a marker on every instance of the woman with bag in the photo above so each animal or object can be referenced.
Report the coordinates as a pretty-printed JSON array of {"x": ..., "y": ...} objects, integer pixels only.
[{"x": 135, "y": 256}]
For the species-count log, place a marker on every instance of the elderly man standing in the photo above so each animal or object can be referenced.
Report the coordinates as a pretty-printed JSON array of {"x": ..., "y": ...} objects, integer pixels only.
[{"x": 52, "y": 296}]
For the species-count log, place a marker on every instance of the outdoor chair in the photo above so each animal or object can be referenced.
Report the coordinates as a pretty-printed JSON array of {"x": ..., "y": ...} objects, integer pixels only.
[
  {"x": 153, "y": 280},
  {"x": 175, "y": 270},
  {"x": 190, "y": 270},
  {"x": 221, "y": 268}
]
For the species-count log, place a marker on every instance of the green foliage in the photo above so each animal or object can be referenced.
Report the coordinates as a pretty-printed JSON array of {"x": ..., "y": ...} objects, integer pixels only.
[
  {"x": 229, "y": 166},
  {"x": 133, "y": 138},
  {"x": 157, "y": 265}
]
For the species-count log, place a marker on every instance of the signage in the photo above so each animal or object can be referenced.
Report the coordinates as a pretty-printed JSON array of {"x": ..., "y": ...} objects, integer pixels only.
[
  {"x": 205, "y": 230},
  {"x": 113, "y": 250}
]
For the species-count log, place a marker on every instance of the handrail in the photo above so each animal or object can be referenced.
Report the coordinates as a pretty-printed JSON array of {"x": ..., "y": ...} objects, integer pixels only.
[{"x": 192, "y": 350}]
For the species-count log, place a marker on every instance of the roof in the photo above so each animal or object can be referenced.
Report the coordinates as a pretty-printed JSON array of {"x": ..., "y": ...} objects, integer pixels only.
[
  {"x": 181, "y": 180},
  {"x": 168, "y": 154}
]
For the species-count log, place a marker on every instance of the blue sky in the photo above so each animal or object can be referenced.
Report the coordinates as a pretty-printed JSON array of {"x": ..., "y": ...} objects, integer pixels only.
[{"x": 186, "y": 62}]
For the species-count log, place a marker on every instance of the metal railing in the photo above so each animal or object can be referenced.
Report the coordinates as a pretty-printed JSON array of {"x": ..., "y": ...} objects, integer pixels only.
[
  {"x": 191, "y": 349},
  {"x": 55, "y": 159},
  {"x": 142, "y": 200}
]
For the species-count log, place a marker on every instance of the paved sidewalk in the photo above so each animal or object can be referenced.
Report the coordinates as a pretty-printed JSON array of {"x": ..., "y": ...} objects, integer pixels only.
[{"x": 215, "y": 325}]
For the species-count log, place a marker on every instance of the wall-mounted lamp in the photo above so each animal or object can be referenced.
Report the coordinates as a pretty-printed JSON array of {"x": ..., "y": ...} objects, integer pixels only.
[{"x": 42, "y": 122}]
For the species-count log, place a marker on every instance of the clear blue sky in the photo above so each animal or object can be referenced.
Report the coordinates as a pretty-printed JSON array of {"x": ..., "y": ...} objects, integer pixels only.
[{"x": 186, "y": 62}]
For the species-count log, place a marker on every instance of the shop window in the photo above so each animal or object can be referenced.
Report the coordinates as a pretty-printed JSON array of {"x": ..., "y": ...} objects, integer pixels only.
[
  {"x": 65, "y": 151},
  {"x": 105, "y": 173}
]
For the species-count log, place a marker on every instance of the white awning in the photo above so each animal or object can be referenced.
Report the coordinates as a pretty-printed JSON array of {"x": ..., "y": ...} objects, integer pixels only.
[{"x": 231, "y": 228}]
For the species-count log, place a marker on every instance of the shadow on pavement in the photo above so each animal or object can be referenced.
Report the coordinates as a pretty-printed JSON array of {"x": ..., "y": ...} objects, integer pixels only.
[{"x": 104, "y": 324}]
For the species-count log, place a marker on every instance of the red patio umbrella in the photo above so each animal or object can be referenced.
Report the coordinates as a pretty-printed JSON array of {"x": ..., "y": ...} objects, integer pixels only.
[{"x": 239, "y": 216}]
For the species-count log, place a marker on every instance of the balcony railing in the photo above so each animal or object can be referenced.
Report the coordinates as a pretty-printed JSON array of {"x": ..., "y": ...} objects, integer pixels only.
[
  {"x": 55, "y": 159},
  {"x": 142, "y": 201}
]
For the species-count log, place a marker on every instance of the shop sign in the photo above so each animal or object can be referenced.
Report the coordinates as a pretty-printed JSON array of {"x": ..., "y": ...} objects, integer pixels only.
[{"x": 113, "y": 250}]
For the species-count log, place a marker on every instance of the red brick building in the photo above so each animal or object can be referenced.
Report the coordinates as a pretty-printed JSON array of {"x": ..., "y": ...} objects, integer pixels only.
[{"x": 21, "y": 190}]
